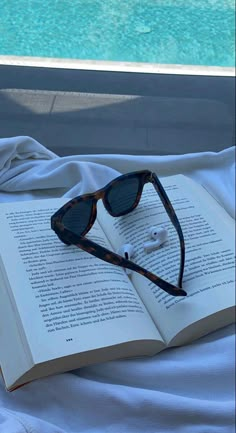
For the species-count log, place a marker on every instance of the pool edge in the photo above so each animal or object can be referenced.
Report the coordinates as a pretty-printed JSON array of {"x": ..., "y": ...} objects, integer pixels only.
[{"x": 112, "y": 66}]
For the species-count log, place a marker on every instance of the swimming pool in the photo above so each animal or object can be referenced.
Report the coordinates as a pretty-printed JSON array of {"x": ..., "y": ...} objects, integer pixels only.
[{"x": 192, "y": 32}]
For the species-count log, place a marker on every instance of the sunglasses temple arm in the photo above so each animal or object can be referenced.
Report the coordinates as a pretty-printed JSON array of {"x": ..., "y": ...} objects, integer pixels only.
[
  {"x": 164, "y": 285},
  {"x": 173, "y": 217},
  {"x": 110, "y": 257}
]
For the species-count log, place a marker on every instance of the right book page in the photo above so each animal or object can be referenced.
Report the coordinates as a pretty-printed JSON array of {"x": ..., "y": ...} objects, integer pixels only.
[{"x": 209, "y": 267}]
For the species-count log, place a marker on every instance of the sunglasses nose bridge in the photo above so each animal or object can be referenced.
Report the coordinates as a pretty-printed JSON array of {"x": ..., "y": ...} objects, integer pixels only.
[
  {"x": 99, "y": 195},
  {"x": 93, "y": 215},
  {"x": 104, "y": 198}
]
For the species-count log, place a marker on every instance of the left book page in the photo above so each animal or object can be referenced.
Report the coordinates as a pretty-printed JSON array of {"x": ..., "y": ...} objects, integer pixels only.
[{"x": 65, "y": 300}]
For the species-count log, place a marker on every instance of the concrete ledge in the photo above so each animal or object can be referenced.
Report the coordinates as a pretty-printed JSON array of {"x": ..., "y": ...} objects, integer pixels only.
[
  {"x": 215, "y": 87},
  {"x": 101, "y": 65},
  {"x": 81, "y": 111}
]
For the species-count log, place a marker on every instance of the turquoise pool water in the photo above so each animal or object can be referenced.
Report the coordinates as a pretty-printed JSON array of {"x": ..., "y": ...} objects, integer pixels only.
[{"x": 197, "y": 32}]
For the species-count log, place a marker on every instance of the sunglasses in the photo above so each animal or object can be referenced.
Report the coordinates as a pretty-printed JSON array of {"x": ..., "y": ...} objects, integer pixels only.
[{"x": 120, "y": 196}]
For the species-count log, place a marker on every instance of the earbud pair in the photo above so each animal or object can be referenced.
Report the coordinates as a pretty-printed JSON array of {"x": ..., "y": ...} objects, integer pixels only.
[{"x": 158, "y": 236}]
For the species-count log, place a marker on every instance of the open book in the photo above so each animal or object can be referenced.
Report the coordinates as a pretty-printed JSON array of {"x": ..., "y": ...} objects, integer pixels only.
[{"x": 62, "y": 308}]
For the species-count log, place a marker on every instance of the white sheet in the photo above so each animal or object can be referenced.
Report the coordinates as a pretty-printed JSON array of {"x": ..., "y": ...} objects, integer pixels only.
[{"x": 184, "y": 390}]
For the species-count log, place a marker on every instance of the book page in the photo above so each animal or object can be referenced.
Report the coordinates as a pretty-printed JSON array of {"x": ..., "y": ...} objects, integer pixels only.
[
  {"x": 66, "y": 301},
  {"x": 209, "y": 268}
]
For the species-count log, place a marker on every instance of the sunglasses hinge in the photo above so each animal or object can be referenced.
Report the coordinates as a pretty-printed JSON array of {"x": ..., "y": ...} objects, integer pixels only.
[{"x": 151, "y": 178}]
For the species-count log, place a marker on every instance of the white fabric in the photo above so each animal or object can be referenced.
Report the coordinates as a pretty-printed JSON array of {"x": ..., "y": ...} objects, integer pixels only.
[{"x": 183, "y": 390}]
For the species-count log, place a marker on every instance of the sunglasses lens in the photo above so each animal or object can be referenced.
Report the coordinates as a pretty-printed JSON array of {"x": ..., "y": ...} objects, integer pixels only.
[
  {"x": 122, "y": 196},
  {"x": 77, "y": 218}
]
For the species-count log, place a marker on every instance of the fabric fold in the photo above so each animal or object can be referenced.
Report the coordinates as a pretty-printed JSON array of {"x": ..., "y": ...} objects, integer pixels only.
[{"x": 21, "y": 148}]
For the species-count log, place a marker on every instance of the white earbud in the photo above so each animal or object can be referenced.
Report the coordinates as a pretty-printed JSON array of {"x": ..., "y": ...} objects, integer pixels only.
[
  {"x": 126, "y": 251},
  {"x": 157, "y": 233},
  {"x": 159, "y": 236}
]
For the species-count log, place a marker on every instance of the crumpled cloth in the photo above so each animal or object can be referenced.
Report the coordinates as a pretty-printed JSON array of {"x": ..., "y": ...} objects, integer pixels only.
[{"x": 188, "y": 389}]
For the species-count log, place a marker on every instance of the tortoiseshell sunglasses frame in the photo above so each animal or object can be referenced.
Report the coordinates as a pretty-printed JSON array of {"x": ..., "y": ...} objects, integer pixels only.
[{"x": 68, "y": 237}]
